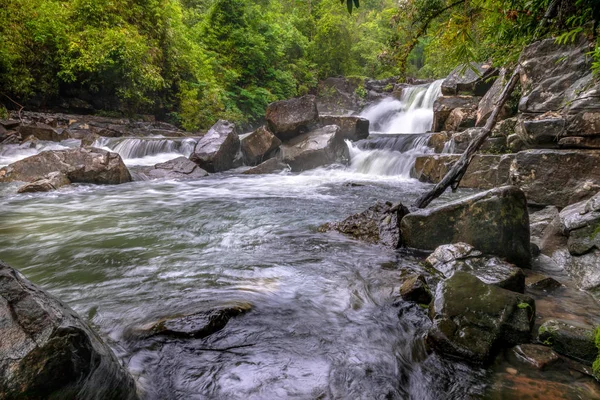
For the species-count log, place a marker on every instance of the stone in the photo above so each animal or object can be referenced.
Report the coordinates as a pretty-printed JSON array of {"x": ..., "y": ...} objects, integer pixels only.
[
  {"x": 50, "y": 182},
  {"x": 179, "y": 168},
  {"x": 259, "y": 146},
  {"x": 535, "y": 355},
  {"x": 450, "y": 258},
  {"x": 541, "y": 282},
  {"x": 540, "y": 132},
  {"x": 415, "y": 289},
  {"x": 461, "y": 141},
  {"x": 271, "y": 166},
  {"x": 460, "y": 119},
  {"x": 377, "y": 224},
  {"x": 473, "y": 79},
  {"x": 218, "y": 148},
  {"x": 10, "y": 124},
  {"x": 504, "y": 128},
  {"x": 443, "y": 106},
  {"x": 290, "y": 118},
  {"x": 48, "y": 351},
  {"x": 81, "y": 165},
  {"x": 338, "y": 95},
  {"x": 42, "y": 132},
  {"x": 570, "y": 338},
  {"x": 322, "y": 146},
  {"x": 495, "y": 222},
  {"x": 489, "y": 100},
  {"x": 579, "y": 142},
  {"x": 539, "y": 221},
  {"x": 352, "y": 127},
  {"x": 484, "y": 171},
  {"x": 556, "y": 177},
  {"x": 583, "y": 109},
  {"x": 472, "y": 320},
  {"x": 438, "y": 141}
]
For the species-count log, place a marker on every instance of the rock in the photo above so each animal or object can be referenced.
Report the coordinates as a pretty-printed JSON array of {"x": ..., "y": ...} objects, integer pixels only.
[
  {"x": 12, "y": 137},
  {"x": 540, "y": 132},
  {"x": 377, "y": 224},
  {"x": 495, "y": 222},
  {"x": 461, "y": 141},
  {"x": 504, "y": 128},
  {"x": 48, "y": 351},
  {"x": 314, "y": 149},
  {"x": 578, "y": 142},
  {"x": 472, "y": 320},
  {"x": 259, "y": 146},
  {"x": 10, "y": 124},
  {"x": 81, "y": 165},
  {"x": 460, "y": 119},
  {"x": 484, "y": 171},
  {"x": 270, "y": 166},
  {"x": 469, "y": 80},
  {"x": 415, "y": 289},
  {"x": 538, "y": 221},
  {"x": 488, "y": 101},
  {"x": 556, "y": 177},
  {"x": 178, "y": 168},
  {"x": 217, "y": 149},
  {"x": 438, "y": 141},
  {"x": 535, "y": 356},
  {"x": 351, "y": 127},
  {"x": 290, "y": 118},
  {"x": 583, "y": 109},
  {"x": 52, "y": 181},
  {"x": 541, "y": 282},
  {"x": 450, "y": 258},
  {"x": 339, "y": 95},
  {"x": 570, "y": 338},
  {"x": 42, "y": 132},
  {"x": 443, "y": 106}
]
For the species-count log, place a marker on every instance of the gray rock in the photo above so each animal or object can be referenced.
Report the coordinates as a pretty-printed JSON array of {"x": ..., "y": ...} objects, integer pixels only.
[
  {"x": 322, "y": 146},
  {"x": 82, "y": 165},
  {"x": 469, "y": 80},
  {"x": 535, "y": 355},
  {"x": 218, "y": 148},
  {"x": 178, "y": 168},
  {"x": 42, "y": 132},
  {"x": 259, "y": 146},
  {"x": 541, "y": 132},
  {"x": 488, "y": 102},
  {"x": 495, "y": 222},
  {"x": 52, "y": 181},
  {"x": 472, "y": 320},
  {"x": 504, "y": 128},
  {"x": 570, "y": 338},
  {"x": 415, "y": 289},
  {"x": 48, "y": 351},
  {"x": 271, "y": 166},
  {"x": 556, "y": 177},
  {"x": 538, "y": 221},
  {"x": 290, "y": 118},
  {"x": 444, "y": 105},
  {"x": 351, "y": 127}
]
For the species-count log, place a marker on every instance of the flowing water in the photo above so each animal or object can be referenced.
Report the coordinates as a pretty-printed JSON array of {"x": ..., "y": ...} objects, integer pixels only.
[{"x": 147, "y": 151}]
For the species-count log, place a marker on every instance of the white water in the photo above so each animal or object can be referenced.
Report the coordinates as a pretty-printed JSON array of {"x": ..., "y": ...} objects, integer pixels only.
[
  {"x": 413, "y": 113},
  {"x": 11, "y": 153},
  {"x": 147, "y": 151}
]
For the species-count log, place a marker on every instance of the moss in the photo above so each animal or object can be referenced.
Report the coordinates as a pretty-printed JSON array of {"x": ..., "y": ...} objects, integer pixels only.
[{"x": 596, "y": 366}]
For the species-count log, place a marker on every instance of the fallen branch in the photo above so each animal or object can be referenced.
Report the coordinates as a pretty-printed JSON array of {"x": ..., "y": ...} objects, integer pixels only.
[{"x": 21, "y": 107}]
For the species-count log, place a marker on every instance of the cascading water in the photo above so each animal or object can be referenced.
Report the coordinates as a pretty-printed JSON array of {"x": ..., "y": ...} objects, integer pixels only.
[
  {"x": 147, "y": 151},
  {"x": 11, "y": 153}
]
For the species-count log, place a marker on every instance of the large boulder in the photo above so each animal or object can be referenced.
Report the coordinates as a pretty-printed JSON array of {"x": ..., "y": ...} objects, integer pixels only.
[
  {"x": 351, "y": 127},
  {"x": 495, "y": 222},
  {"x": 492, "y": 145},
  {"x": 290, "y": 118},
  {"x": 471, "y": 80},
  {"x": 48, "y": 351},
  {"x": 81, "y": 165},
  {"x": 218, "y": 148},
  {"x": 473, "y": 320},
  {"x": 570, "y": 338},
  {"x": 316, "y": 148},
  {"x": 179, "y": 168},
  {"x": 556, "y": 177},
  {"x": 42, "y": 132},
  {"x": 450, "y": 258},
  {"x": 52, "y": 181},
  {"x": 543, "y": 131},
  {"x": 259, "y": 146},
  {"x": 444, "y": 105},
  {"x": 460, "y": 119},
  {"x": 489, "y": 100}
]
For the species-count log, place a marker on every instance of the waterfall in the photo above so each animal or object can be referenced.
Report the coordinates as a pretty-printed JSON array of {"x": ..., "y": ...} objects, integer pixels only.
[
  {"x": 147, "y": 151},
  {"x": 413, "y": 113}
]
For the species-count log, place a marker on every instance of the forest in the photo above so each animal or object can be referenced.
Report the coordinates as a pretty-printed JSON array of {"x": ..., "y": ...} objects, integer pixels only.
[{"x": 191, "y": 62}]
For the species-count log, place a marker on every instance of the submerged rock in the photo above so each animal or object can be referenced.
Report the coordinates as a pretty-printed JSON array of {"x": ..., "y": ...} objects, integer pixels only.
[
  {"x": 52, "y": 181},
  {"x": 535, "y": 355},
  {"x": 495, "y": 222},
  {"x": 450, "y": 258},
  {"x": 570, "y": 338},
  {"x": 259, "y": 146},
  {"x": 218, "y": 148},
  {"x": 82, "y": 165},
  {"x": 415, "y": 289},
  {"x": 290, "y": 118},
  {"x": 316, "y": 148},
  {"x": 472, "y": 320},
  {"x": 47, "y": 351},
  {"x": 180, "y": 167}
]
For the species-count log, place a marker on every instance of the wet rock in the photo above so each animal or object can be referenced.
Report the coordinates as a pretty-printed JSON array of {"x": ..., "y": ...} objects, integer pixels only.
[
  {"x": 178, "y": 168},
  {"x": 488, "y": 101},
  {"x": 415, "y": 289},
  {"x": 443, "y": 106},
  {"x": 535, "y": 356},
  {"x": 42, "y": 132},
  {"x": 450, "y": 258},
  {"x": 438, "y": 141},
  {"x": 541, "y": 282},
  {"x": 541, "y": 132},
  {"x": 484, "y": 171},
  {"x": 570, "y": 338},
  {"x": 460, "y": 119},
  {"x": 351, "y": 127},
  {"x": 82, "y": 165},
  {"x": 469, "y": 80},
  {"x": 322, "y": 146},
  {"x": 472, "y": 320},
  {"x": 377, "y": 224},
  {"x": 290, "y": 118},
  {"x": 217, "y": 149},
  {"x": 270, "y": 166},
  {"x": 50, "y": 182},
  {"x": 259, "y": 146},
  {"x": 495, "y": 222},
  {"x": 557, "y": 177},
  {"x": 11, "y": 137},
  {"x": 539, "y": 221},
  {"x": 49, "y": 352},
  {"x": 524, "y": 387}
]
